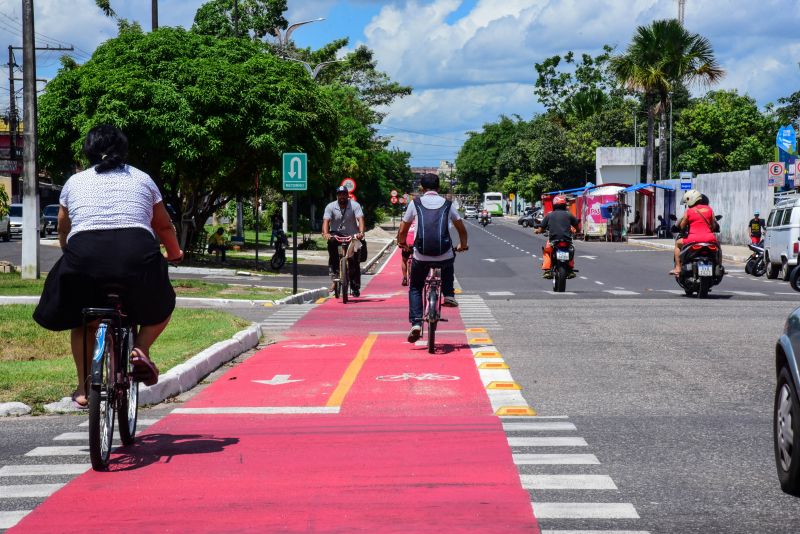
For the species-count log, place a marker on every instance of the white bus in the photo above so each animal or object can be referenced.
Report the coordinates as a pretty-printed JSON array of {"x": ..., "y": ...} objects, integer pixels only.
[{"x": 493, "y": 203}]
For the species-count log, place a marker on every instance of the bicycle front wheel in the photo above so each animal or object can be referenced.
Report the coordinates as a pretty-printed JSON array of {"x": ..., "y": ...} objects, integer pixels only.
[
  {"x": 344, "y": 276},
  {"x": 128, "y": 402},
  {"x": 101, "y": 400}
]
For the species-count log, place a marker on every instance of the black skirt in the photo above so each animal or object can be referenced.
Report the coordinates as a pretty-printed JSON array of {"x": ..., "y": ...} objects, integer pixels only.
[{"x": 128, "y": 257}]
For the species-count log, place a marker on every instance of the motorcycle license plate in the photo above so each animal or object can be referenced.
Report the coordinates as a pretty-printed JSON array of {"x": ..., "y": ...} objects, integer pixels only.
[
  {"x": 562, "y": 255},
  {"x": 705, "y": 269}
]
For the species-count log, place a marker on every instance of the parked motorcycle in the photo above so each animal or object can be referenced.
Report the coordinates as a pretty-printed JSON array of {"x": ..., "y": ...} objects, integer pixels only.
[
  {"x": 701, "y": 267},
  {"x": 756, "y": 263},
  {"x": 563, "y": 253},
  {"x": 281, "y": 244}
]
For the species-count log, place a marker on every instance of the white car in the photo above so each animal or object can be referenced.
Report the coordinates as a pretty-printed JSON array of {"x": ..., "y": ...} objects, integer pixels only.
[
  {"x": 781, "y": 240},
  {"x": 470, "y": 212},
  {"x": 15, "y": 212}
]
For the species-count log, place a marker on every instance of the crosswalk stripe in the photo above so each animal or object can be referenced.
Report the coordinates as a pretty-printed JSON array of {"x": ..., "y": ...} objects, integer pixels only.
[
  {"x": 516, "y": 427},
  {"x": 62, "y": 450},
  {"x": 555, "y": 459},
  {"x": 10, "y": 518},
  {"x": 140, "y": 423},
  {"x": 28, "y": 490},
  {"x": 45, "y": 469},
  {"x": 547, "y": 442},
  {"x": 584, "y": 510},
  {"x": 551, "y": 531},
  {"x": 568, "y": 482},
  {"x": 620, "y": 292}
]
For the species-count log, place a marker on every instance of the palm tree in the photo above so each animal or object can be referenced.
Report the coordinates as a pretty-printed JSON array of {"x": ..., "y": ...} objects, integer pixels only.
[
  {"x": 661, "y": 57},
  {"x": 105, "y": 6}
]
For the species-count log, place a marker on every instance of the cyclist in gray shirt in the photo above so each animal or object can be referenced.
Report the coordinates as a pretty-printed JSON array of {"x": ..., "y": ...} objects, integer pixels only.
[{"x": 343, "y": 217}]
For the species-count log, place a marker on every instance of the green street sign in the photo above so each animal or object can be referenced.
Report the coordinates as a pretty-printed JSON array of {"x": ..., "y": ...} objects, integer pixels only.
[{"x": 295, "y": 171}]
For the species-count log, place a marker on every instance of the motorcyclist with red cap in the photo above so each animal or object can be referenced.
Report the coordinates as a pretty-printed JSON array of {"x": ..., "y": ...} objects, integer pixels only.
[{"x": 560, "y": 224}]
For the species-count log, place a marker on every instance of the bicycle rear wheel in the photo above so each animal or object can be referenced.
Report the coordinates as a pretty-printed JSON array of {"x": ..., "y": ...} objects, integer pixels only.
[
  {"x": 128, "y": 402},
  {"x": 432, "y": 318},
  {"x": 101, "y": 400},
  {"x": 344, "y": 276}
]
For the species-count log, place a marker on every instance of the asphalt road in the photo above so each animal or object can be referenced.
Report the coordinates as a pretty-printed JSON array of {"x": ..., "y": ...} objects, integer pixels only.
[{"x": 672, "y": 394}]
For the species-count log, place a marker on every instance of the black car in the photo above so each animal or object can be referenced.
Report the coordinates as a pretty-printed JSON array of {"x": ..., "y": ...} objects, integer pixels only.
[
  {"x": 50, "y": 216},
  {"x": 527, "y": 217}
]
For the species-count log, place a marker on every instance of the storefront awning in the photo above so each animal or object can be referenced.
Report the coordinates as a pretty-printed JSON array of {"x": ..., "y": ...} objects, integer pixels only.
[{"x": 639, "y": 187}]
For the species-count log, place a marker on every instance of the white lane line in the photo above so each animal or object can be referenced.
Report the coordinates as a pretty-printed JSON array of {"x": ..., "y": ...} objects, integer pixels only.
[
  {"x": 671, "y": 291},
  {"x": 516, "y": 427},
  {"x": 11, "y": 518},
  {"x": 547, "y": 442},
  {"x": 500, "y": 293},
  {"x": 62, "y": 450},
  {"x": 551, "y": 531},
  {"x": 555, "y": 459},
  {"x": 554, "y": 293},
  {"x": 568, "y": 482},
  {"x": 267, "y": 410},
  {"x": 598, "y": 282},
  {"x": 531, "y": 417},
  {"x": 583, "y": 278},
  {"x": 620, "y": 292},
  {"x": 584, "y": 510},
  {"x": 28, "y": 490},
  {"x": 779, "y": 293},
  {"x": 45, "y": 469},
  {"x": 746, "y": 293}
]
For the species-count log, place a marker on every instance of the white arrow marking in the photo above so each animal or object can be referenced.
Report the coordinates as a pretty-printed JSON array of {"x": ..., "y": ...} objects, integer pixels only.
[
  {"x": 490, "y": 259},
  {"x": 299, "y": 172},
  {"x": 277, "y": 380},
  {"x": 589, "y": 257}
]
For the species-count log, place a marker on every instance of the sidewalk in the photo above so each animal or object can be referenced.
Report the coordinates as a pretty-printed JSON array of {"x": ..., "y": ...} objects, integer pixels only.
[
  {"x": 735, "y": 253},
  {"x": 327, "y": 430}
]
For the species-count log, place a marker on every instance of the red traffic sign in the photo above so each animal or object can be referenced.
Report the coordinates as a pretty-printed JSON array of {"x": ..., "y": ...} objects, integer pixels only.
[
  {"x": 776, "y": 169},
  {"x": 350, "y": 184},
  {"x": 394, "y": 200},
  {"x": 351, "y": 196},
  {"x": 394, "y": 192}
]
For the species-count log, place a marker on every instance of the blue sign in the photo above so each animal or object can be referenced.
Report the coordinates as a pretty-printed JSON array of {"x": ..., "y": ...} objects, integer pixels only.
[
  {"x": 787, "y": 139},
  {"x": 686, "y": 181}
]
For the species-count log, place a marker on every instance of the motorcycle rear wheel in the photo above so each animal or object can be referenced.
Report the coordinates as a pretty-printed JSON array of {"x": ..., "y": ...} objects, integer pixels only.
[
  {"x": 705, "y": 287},
  {"x": 560, "y": 279}
]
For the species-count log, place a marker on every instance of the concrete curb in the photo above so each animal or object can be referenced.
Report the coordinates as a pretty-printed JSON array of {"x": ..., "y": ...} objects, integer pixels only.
[
  {"x": 311, "y": 294},
  {"x": 730, "y": 257},
  {"x": 188, "y": 374},
  {"x": 306, "y": 296},
  {"x": 377, "y": 256}
]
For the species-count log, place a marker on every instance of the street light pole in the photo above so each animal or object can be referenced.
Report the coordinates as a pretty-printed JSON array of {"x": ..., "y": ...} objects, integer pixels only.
[{"x": 30, "y": 186}]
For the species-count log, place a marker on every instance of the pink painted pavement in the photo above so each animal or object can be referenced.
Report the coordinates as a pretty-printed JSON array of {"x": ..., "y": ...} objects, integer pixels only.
[{"x": 400, "y": 456}]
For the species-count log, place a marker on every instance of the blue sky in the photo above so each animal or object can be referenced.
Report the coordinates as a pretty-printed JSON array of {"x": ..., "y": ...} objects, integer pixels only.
[{"x": 469, "y": 61}]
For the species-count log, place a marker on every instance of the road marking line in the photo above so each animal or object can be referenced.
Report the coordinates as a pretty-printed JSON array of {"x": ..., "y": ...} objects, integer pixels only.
[
  {"x": 568, "y": 482},
  {"x": 511, "y": 412},
  {"x": 11, "y": 518},
  {"x": 349, "y": 377},
  {"x": 745, "y": 293},
  {"x": 46, "y": 469},
  {"x": 257, "y": 410},
  {"x": 550, "y": 531},
  {"x": 598, "y": 282},
  {"x": 500, "y": 293},
  {"x": 516, "y": 427},
  {"x": 29, "y": 490},
  {"x": 537, "y": 418},
  {"x": 620, "y": 292},
  {"x": 584, "y": 510},
  {"x": 555, "y": 459},
  {"x": 62, "y": 450},
  {"x": 583, "y": 278},
  {"x": 547, "y": 442}
]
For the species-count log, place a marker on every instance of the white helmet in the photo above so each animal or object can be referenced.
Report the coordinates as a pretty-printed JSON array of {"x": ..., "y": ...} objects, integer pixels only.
[{"x": 691, "y": 197}]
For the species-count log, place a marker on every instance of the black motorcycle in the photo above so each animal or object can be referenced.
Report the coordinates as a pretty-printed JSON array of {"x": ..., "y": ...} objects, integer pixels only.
[
  {"x": 756, "y": 263},
  {"x": 701, "y": 267},
  {"x": 563, "y": 253},
  {"x": 281, "y": 244}
]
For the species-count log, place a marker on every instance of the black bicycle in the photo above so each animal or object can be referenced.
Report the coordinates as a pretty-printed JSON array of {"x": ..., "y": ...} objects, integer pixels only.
[
  {"x": 345, "y": 246},
  {"x": 432, "y": 300},
  {"x": 113, "y": 390}
]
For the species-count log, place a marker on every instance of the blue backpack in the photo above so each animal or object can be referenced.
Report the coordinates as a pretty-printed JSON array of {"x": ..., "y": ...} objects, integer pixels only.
[{"x": 433, "y": 232}]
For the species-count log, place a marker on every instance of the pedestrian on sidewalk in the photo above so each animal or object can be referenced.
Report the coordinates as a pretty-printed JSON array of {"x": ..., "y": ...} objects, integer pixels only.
[
  {"x": 343, "y": 217},
  {"x": 216, "y": 243},
  {"x": 757, "y": 228},
  {"x": 277, "y": 224},
  {"x": 432, "y": 247}
]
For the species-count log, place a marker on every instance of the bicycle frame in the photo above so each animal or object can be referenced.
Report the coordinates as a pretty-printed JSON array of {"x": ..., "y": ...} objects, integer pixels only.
[{"x": 432, "y": 303}]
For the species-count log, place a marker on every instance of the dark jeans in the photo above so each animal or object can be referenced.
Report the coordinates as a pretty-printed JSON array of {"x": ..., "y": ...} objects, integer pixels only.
[
  {"x": 220, "y": 248},
  {"x": 353, "y": 266},
  {"x": 419, "y": 272}
]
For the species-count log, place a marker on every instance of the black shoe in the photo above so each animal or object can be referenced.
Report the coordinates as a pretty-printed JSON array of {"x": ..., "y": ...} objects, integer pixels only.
[
  {"x": 571, "y": 275},
  {"x": 547, "y": 275},
  {"x": 355, "y": 292},
  {"x": 415, "y": 333}
]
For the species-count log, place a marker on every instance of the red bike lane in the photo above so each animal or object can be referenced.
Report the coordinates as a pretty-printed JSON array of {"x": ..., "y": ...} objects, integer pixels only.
[{"x": 341, "y": 426}]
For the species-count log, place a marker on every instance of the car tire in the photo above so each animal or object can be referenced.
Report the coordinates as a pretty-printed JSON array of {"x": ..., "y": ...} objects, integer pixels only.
[
  {"x": 786, "y": 428},
  {"x": 785, "y": 271},
  {"x": 772, "y": 269}
]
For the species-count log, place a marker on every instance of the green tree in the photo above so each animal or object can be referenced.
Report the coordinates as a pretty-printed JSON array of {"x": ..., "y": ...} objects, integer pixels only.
[
  {"x": 477, "y": 158},
  {"x": 789, "y": 111},
  {"x": 723, "y": 131},
  {"x": 3, "y": 201},
  {"x": 661, "y": 57},
  {"x": 257, "y": 18},
  {"x": 203, "y": 115}
]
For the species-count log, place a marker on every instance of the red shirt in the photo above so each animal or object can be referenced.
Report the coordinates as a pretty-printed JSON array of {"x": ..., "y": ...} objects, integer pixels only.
[{"x": 700, "y": 220}]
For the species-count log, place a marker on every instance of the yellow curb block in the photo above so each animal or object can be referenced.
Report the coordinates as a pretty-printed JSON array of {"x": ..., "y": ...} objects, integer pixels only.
[
  {"x": 476, "y": 330},
  {"x": 503, "y": 385},
  {"x": 493, "y": 365},
  {"x": 482, "y": 340},
  {"x": 515, "y": 410},
  {"x": 458, "y": 291},
  {"x": 487, "y": 354},
  {"x": 268, "y": 304},
  {"x": 321, "y": 300}
]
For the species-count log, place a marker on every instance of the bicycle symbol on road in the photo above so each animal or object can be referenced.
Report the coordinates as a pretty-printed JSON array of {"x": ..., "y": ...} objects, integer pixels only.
[
  {"x": 313, "y": 346},
  {"x": 413, "y": 376}
]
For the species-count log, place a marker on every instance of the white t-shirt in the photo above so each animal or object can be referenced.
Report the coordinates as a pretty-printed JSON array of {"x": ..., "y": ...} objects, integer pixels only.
[
  {"x": 121, "y": 198},
  {"x": 431, "y": 200}
]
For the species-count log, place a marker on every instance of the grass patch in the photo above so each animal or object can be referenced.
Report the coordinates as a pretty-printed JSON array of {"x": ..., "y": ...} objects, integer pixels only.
[
  {"x": 36, "y": 365},
  {"x": 12, "y": 285}
]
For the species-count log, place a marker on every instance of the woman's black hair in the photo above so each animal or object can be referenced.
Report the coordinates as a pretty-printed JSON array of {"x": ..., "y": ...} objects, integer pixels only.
[{"x": 106, "y": 147}]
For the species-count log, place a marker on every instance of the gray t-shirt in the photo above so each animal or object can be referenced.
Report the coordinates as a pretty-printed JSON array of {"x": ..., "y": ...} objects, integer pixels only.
[{"x": 343, "y": 220}]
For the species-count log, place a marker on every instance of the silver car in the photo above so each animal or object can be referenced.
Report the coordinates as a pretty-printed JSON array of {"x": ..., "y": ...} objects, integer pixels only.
[
  {"x": 470, "y": 212},
  {"x": 5, "y": 228},
  {"x": 15, "y": 213},
  {"x": 786, "y": 419}
]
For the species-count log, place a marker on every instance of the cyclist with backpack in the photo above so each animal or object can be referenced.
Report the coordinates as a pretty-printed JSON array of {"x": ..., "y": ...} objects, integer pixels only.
[{"x": 432, "y": 247}]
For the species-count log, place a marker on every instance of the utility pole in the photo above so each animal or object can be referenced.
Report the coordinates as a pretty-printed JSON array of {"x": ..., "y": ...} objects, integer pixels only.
[
  {"x": 154, "y": 11},
  {"x": 12, "y": 110},
  {"x": 239, "y": 207},
  {"x": 681, "y": 11},
  {"x": 30, "y": 188}
]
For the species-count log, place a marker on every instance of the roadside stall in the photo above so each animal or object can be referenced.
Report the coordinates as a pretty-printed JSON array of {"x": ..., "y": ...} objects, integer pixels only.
[
  {"x": 594, "y": 220},
  {"x": 642, "y": 199}
]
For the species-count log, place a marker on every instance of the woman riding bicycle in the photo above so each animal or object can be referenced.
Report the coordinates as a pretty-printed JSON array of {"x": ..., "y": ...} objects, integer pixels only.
[{"x": 110, "y": 221}]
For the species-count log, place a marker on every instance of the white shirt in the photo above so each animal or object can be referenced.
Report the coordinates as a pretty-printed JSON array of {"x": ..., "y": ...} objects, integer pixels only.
[
  {"x": 431, "y": 200},
  {"x": 121, "y": 198}
]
